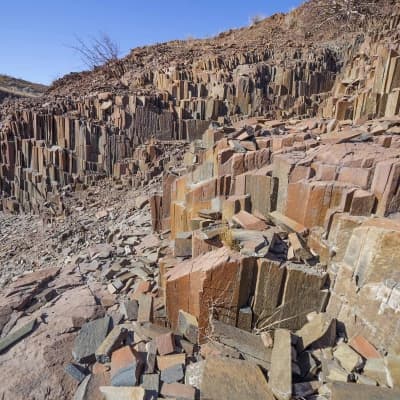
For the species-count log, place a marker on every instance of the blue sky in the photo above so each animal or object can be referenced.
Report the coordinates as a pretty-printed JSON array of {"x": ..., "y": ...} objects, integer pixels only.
[{"x": 35, "y": 35}]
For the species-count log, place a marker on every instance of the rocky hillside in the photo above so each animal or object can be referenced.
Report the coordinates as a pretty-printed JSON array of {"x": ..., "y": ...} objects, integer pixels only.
[
  {"x": 14, "y": 88},
  {"x": 210, "y": 219}
]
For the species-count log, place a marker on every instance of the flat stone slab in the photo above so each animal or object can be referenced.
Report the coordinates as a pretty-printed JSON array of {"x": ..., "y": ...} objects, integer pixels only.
[
  {"x": 122, "y": 393},
  {"x": 225, "y": 378},
  {"x": 90, "y": 337},
  {"x": 354, "y": 391},
  {"x": 280, "y": 375},
  {"x": 17, "y": 335}
]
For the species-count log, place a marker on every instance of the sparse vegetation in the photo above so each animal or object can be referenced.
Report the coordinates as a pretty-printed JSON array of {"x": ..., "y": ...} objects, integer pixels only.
[
  {"x": 256, "y": 19},
  {"x": 97, "y": 51}
]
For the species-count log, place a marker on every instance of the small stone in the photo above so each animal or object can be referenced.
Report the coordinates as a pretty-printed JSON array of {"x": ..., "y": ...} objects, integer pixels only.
[
  {"x": 164, "y": 362},
  {"x": 75, "y": 372},
  {"x": 267, "y": 340},
  {"x": 363, "y": 347},
  {"x": 145, "y": 313},
  {"x": 172, "y": 374},
  {"x": 81, "y": 391},
  {"x": 151, "y": 355},
  {"x": 178, "y": 390},
  {"x": 17, "y": 335},
  {"x": 375, "y": 368},
  {"x": 188, "y": 326},
  {"x": 347, "y": 357},
  {"x": 125, "y": 367},
  {"x": 165, "y": 343},
  {"x": 194, "y": 374},
  {"x": 122, "y": 393},
  {"x": 112, "y": 341},
  {"x": 392, "y": 362},
  {"x": 334, "y": 372},
  {"x": 319, "y": 332},
  {"x": 151, "y": 385},
  {"x": 129, "y": 309}
]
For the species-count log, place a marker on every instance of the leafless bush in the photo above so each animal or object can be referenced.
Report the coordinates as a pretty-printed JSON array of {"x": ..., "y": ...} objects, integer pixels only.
[
  {"x": 256, "y": 19},
  {"x": 97, "y": 51}
]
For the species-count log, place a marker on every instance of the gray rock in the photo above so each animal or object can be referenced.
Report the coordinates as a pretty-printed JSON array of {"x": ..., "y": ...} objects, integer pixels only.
[
  {"x": 17, "y": 335},
  {"x": 129, "y": 309},
  {"x": 89, "y": 339},
  {"x": 172, "y": 374},
  {"x": 75, "y": 372},
  {"x": 151, "y": 385},
  {"x": 80, "y": 393}
]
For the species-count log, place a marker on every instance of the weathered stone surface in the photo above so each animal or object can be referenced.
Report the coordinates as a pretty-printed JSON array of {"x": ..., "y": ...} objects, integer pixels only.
[
  {"x": 188, "y": 326},
  {"x": 165, "y": 343},
  {"x": 172, "y": 374},
  {"x": 280, "y": 374},
  {"x": 178, "y": 391},
  {"x": 90, "y": 337},
  {"x": 125, "y": 367},
  {"x": 392, "y": 363},
  {"x": 344, "y": 391},
  {"x": 112, "y": 341},
  {"x": 347, "y": 357},
  {"x": 249, "y": 345},
  {"x": 319, "y": 332},
  {"x": 16, "y": 335},
  {"x": 129, "y": 309},
  {"x": 151, "y": 384},
  {"x": 233, "y": 379},
  {"x": 76, "y": 372},
  {"x": 122, "y": 393}
]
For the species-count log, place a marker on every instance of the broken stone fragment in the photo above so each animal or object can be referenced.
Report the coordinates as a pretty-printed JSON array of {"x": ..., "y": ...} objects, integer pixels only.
[
  {"x": 151, "y": 384},
  {"x": 113, "y": 340},
  {"x": 183, "y": 244},
  {"x": 82, "y": 389},
  {"x": 392, "y": 362},
  {"x": 361, "y": 345},
  {"x": 165, "y": 343},
  {"x": 251, "y": 346},
  {"x": 347, "y": 391},
  {"x": 172, "y": 374},
  {"x": 178, "y": 391},
  {"x": 319, "y": 332},
  {"x": 347, "y": 357},
  {"x": 194, "y": 374},
  {"x": 225, "y": 378},
  {"x": 126, "y": 367},
  {"x": 151, "y": 355},
  {"x": 145, "y": 313},
  {"x": 300, "y": 249},
  {"x": 75, "y": 371},
  {"x": 188, "y": 326},
  {"x": 129, "y": 309},
  {"x": 122, "y": 393},
  {"x": 164, "y": 362},
  {"x": 375, "y": 368},
  {"x": 280, "y": 374},
  {"x": 249, "y": 221},
  {"x": 90, "y": 337},
  {"x": 15, "y": 336}
]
